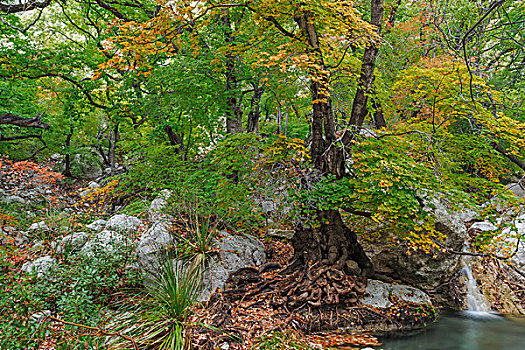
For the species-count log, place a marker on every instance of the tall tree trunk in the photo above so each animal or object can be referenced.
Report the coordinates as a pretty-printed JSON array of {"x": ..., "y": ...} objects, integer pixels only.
[
  {"x": 67, "y": 158},
  {"x": 332, "y": 242},
  {"x": 379, "y": 117},
  {"x": 255, "y": 110},
  {"x": 234, "y": 115},
  {"x": 114, "y": 139},
  {"x": 359, "y": 107},
  {"x": 176, "y": 140}
]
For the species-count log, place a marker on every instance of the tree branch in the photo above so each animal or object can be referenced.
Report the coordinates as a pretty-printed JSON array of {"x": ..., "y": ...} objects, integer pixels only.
[
  {"x": 9, "y": 8},
  {"x": 11, "y": 119}
]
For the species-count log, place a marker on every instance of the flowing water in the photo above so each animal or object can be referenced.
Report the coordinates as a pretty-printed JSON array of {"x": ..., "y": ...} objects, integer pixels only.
[
  {"x": 477, "y": 304},
  {"x": 457, "y": 331},
  {"x": 474, "y": 329}
]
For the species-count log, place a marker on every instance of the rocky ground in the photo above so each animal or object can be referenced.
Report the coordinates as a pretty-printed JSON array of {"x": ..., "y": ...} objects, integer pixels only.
[{"x": 409, "y": 290}]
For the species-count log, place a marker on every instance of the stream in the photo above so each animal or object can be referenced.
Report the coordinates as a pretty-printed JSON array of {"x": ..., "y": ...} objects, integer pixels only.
[
  {"x": 464, "y": 331},
  {"x": 477, "y": 328}
]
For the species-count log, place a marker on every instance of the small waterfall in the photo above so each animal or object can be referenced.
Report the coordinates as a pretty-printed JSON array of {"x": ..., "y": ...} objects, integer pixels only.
[{"x": 477, "y": 304}]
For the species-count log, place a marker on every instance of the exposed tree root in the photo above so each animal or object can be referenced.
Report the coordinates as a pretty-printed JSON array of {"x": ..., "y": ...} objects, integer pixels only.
[{"x": 312, "y": 286}]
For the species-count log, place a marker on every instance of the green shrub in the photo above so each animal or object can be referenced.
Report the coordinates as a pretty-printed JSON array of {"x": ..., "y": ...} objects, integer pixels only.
[{"x": 159, "y": 319}]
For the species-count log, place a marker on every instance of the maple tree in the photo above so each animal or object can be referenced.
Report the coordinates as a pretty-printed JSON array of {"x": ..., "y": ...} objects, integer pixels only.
[{"x": 376, "y": 111}]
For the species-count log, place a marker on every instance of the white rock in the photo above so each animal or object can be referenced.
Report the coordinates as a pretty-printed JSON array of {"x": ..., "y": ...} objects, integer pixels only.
[
  {"x": 123, "y": 223},
  {"x": 40, "y": 266},
  {"x": 157, "y": 206},
  {"x": 107, "y": 242},
  {"x": 483, "y": 226},
  {"x": 518, "y": 188},
  {"x": 13, "y": 199},
  {"x": 93, "y": 184},
  {"x": 72, "y": 242},
  {"x": 97, "y": 225},
  {"x": 379, "y": 294},
  {"x": 39, "y": 317},
  {"x": 38, "y": 226},
  {"x": 156, "y": 238},
  {"x": 235, "y": 253}
]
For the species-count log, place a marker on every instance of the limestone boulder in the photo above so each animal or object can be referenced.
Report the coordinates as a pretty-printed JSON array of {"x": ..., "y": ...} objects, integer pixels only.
[
  {"x": 152, "y": 241},
  {"x": 13, "y": 199},
  {"x": 518, "y": 188},
  {"x": 105, "y": 242},
  {"x": 235, "y": 252},
  {"x": 427, "y": 271},
  {"x": 97, "y": 225},
  {"x": 123, "y": 223},
  {"x": 38, "y": 227},
  {"x": 41, "y": 266},
  {"x": 72, "y": 242},
  {"x": 384, "y": 295},
  {"x": 158, "y": 206}
]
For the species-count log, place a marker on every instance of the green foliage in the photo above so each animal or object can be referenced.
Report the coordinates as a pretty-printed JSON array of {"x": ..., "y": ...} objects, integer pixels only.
[
  {"x": 279, "y": 340},
  {"x": 159, "y": 319},
  {"x": 17, "y": 303},
  {"x": 197, "y": 244},
  {"x": 81, "y": 287}
]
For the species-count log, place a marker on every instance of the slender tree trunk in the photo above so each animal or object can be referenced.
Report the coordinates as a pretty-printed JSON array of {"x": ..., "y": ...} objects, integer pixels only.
[
  {"x": 359, "y": 107},
  {"x": 379, "y": 117},
  {"x": 332, "y": 242},
  {"x": 67, "y": 159},
  {"x": 234, "y": 115},
  {"x": 176, "y": 140},
  {"x": 114, "y": 139},
  {"x": 255, "y": 112}
]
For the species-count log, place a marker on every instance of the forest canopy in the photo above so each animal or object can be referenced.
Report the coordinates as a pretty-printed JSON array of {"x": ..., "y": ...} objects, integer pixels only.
[{"x": 353, "y": 119}]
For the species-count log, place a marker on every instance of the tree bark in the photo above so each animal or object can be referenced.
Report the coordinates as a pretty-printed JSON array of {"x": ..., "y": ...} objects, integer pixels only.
[
  {"x": 9, "y": 7},
  {"x": 234, "y": 115},
  {"x": 67, "y": 158},
  {"x": 332, "y": 242},
  {"x": 359, "y": 107},
  {"x": 114, "y": 139},
  {"x": 379, "y": 117},
  {"x": 11, "y": 119},
  {"x": 175, "y": 140},
  {"x": 255, "y": 111}
]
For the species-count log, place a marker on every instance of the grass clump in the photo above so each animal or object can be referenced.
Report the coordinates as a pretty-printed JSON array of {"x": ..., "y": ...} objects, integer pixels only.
[{"x": 159, "y": 319}]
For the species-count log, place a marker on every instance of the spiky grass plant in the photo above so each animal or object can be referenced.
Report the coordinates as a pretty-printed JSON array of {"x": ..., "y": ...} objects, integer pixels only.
[
  {"x": 199, "y": 244},
  {"x": 159, "y": 320}
]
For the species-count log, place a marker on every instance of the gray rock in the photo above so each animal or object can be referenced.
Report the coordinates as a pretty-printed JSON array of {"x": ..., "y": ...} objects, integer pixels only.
[
  {"x": 97, "y": 225},
  {"x": 72, "y": 242},
  {"x": 383, "y": 295},
  {"x": 427, "y": 271},
  {"x": 86, "y": 165},
  {"x": 157, "y": 207},
  {"x": 156, "y": 238},
  {"x": 508, "y": 243},
  {"x": 107, "y": 242},
  {"x": 235, "y": 253},
  {"x": 13, "y": 199},
  {"x": 123, "y": 223},
  {"x": 468, "y": 215},
  {"x": 268, "y": 206},
  {"x": 518, "y": 188},
  {"x": 39, "y": 317},
  {"x": 37, "y": 245},
  {"x": 38, "y": 226},
  {"x": 285, "y": 234},
  {"x": 41, "y": 266},
  {"x": 93, "y": 184},
  {"x": 483, "y": 226},
  {"x": 22, "y": 238}
]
